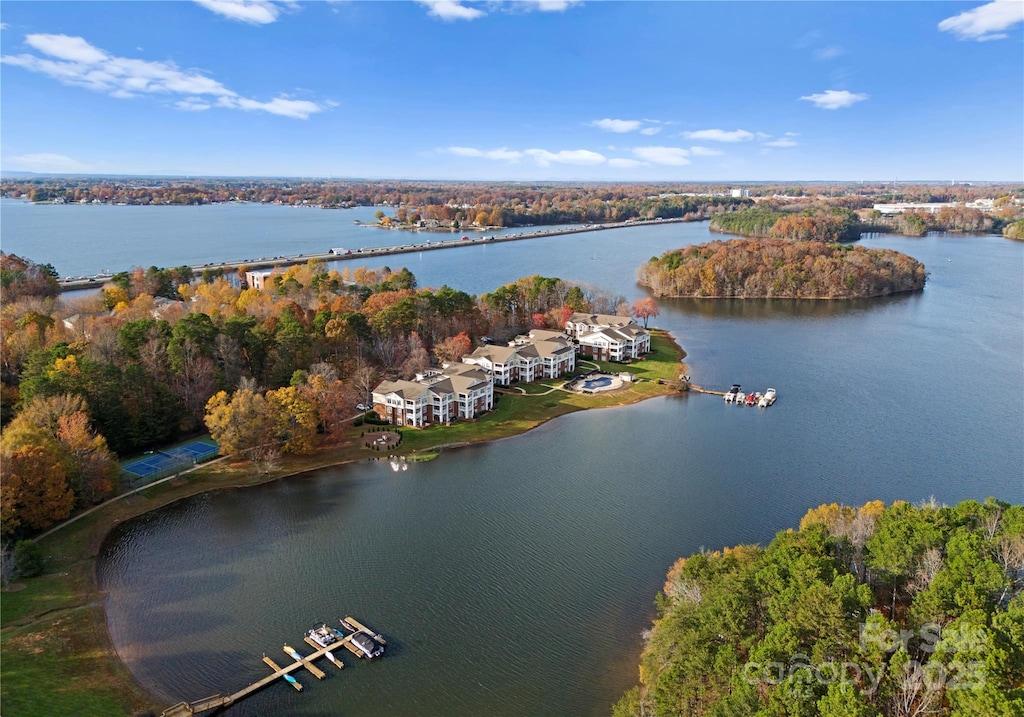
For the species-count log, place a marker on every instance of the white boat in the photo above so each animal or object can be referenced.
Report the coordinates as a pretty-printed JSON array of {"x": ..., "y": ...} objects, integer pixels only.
[
  {"x": 323, "y": 636},
  {"x": 732, "y": 393},
  {"x": 767, "y": 399}
]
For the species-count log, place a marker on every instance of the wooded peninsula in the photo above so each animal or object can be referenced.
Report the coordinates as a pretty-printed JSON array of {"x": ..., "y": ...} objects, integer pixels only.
[
  {"x": 863, "y": 612},
  {"x": 781, "y": 269}
]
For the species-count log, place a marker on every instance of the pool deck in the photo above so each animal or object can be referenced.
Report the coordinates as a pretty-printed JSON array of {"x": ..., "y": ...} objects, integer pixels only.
[{"x": 613, "y": 383}]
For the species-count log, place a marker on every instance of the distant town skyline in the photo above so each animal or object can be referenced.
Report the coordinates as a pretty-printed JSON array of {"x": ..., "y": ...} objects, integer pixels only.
[{"x": 530, "y": 90}]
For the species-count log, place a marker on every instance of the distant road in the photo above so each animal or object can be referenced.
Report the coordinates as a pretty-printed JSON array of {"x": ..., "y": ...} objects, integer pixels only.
[{"x": 86, "y": 282}]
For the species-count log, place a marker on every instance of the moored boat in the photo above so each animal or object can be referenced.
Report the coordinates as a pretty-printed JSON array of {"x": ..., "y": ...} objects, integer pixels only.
[
  {"x": 369, "y": 647},
  {"x": 323, "y": 636}
]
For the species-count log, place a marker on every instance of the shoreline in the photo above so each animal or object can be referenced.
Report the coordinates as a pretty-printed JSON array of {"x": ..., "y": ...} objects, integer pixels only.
[{"x": 73, "y": 551}]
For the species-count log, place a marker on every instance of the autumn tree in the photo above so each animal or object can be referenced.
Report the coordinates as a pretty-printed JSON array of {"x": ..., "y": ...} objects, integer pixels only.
[
  {"x": 645, "y": 308},
  {"x": 417, "y": 358},
  {"x": 34, "y": 493},
  {"x": 61, "y": 425},
  {"x": 239, "y": 422},
  {"x": 453, "y": 348}
]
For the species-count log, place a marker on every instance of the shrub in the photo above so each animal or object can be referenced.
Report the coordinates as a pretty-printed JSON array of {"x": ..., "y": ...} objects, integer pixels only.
[{"x": 28, "y": 558}]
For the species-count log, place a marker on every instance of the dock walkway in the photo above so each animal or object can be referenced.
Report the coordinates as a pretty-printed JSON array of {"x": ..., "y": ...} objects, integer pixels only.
[{"x": 187, "y": 709}]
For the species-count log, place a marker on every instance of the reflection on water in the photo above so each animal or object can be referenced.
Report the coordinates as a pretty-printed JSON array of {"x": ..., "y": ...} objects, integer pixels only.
[{"x": 782, "y": 308}]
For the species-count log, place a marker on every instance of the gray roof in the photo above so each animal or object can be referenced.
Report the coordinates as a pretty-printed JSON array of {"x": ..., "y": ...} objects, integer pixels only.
[
  {"x": 600, "y": 319},
  {"x": 406, "y": 389}
]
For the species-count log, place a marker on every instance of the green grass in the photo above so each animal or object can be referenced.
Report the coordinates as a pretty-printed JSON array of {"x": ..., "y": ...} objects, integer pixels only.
[
  {"x": 53, "y": 667},
  {"x": 42, "y": 594}
]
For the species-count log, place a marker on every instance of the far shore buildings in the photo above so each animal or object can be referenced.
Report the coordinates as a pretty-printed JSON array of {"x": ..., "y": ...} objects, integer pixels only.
[{"x": 465, "y": 390}]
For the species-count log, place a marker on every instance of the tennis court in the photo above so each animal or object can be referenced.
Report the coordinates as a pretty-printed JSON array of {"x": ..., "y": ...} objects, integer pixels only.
[{"x": 171, "y": 461}]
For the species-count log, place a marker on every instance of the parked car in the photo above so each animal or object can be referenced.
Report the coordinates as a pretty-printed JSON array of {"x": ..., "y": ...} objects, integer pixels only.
[{"x": 363, "y": 407}]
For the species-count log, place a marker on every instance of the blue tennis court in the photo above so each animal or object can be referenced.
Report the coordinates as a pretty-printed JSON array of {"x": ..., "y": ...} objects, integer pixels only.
[{"x": 171, "y": 461}]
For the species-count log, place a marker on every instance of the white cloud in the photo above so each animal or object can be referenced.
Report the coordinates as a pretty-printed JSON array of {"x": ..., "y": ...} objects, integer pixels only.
[
  {"x": 502, "y": 153},
  {"x": 545, "y": 158},
  {"x": 985, "y": 22},
  {"x": 829, "y": 53},
  {"x": 617, "y": 125},
  {"x": 193, "y": 104},
  {"x": 254, "y": 12},
  {"x": 296, "y": 109},
  {"x": 721, "y": 135},
  {"x": 449, "y": 10},
  {"x": 73, "y": 61},
  {"x": 542, "y": 157},
  {"x": 65, "y": 47},
  {"x": 792, "y": 134},
  {"x": 625, "y": 162},
  {"x": 47, "y": 162},
  {"x": 551, "y": 5},
  {"x": 699, "y": 151},
  {"x": 781, "y": 143},
  {"x": 835, "y": 99},
  {"x": 650, "y": 131},
  {"x": 673, "y": 156},
  {"x": 3, "y": 25}
]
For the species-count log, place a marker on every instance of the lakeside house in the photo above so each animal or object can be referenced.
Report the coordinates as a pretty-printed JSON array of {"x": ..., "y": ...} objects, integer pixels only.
[
  {"x": 258, "y": 279},
  {"x": 435, "y": 396},
  {"x": 608, "y": 338},
  {"x": 529, "y": 357}
]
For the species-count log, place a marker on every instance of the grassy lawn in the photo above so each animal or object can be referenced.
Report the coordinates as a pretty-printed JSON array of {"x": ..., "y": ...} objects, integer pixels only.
[{"x": 55, "y": 652}]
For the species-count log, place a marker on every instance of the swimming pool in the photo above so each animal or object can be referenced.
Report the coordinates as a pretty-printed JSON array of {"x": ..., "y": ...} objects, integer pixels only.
[{"x": 600, "y": 382}]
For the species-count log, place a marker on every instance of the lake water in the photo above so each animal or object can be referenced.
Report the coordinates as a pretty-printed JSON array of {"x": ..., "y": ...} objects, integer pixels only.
[
  {"x": 515, "y": 578},
  {"x": 82, "y": 240}
]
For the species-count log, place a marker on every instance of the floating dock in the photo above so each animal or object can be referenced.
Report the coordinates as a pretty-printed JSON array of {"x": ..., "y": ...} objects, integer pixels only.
[{"x": 186, "y": 709}]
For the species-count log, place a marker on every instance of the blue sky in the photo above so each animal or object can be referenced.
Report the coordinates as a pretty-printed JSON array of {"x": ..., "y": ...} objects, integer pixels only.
[{"x": 526, "y": 90}]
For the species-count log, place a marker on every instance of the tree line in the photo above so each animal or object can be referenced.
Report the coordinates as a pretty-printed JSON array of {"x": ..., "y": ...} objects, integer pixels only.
[
  {"x": 779, "y": 268},
  {"x": 827, "y": 224},
  {"x": 874, "y": 611},
  {"x": 265, "y": 372},
  {"x": 836, "y": 220}
]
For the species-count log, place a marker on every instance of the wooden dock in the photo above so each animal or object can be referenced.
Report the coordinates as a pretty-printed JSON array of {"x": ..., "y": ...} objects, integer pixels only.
[
  {"x": 187, "y": 709},
  {"x": 701, "y": 389}
]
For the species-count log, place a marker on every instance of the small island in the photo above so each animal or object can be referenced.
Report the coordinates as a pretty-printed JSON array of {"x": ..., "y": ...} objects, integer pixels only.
[{"x": 781, "y": 269}]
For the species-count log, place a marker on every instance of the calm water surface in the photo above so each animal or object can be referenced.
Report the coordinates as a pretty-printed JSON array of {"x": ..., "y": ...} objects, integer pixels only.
[
  {"x": 81, "y": 240},
  {"x": 516, "y": 578}
]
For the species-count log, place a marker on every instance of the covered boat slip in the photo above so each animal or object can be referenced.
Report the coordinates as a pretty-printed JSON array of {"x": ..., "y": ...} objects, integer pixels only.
[{"x": 365, "y": 635}]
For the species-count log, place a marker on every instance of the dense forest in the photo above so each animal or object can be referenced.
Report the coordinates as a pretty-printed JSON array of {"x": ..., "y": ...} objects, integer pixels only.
[
  {"x": 1014, "y": 230},
  {"x": 898, "y": 611},
  {"x": 836, "y": 221},
  {"x": 779, "y": 268},
  {"x": 827, "y": 224},
  {"x": 158, "y": 355}
]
